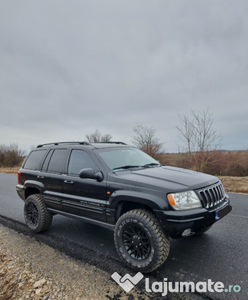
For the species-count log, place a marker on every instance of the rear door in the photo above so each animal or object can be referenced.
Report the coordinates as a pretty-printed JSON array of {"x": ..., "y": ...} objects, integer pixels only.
[
  {"x": 51, "y": 175},
  {"x": 84, "y": 197}
]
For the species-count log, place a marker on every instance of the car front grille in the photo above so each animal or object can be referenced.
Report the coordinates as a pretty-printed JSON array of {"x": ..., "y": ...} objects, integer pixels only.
[{"x": 212, "y": 195}]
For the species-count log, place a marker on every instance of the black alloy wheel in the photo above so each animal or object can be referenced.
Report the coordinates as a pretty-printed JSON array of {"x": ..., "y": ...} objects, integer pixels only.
[
  {"x": 136, "y": 241},
  {"x": 37, "y": 217},
  {"x": 32, "y": 214},
  {"x": 140, "y": 241}
]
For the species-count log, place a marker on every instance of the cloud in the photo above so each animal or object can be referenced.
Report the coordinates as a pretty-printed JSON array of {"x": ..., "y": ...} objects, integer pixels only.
[{"x": 68, "y": 68}]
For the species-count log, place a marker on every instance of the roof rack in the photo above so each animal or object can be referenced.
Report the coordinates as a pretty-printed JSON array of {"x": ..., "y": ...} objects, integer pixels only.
[
  {"x": 120, "y": 143},
  {"x": 79, "y": 143},
  {"x": 59, "y": 143}
]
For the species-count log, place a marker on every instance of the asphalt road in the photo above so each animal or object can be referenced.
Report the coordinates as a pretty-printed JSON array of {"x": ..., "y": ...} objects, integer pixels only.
[{"x": 221, "y": 255}]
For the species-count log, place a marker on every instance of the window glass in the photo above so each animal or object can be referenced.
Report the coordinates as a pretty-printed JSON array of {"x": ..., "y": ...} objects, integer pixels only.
[
  {"x": 80, "y": 160},
  {"x": 115, "y": 158},
  {"x": 34, "y": 159},
  {"x": 57, "y": 161}
]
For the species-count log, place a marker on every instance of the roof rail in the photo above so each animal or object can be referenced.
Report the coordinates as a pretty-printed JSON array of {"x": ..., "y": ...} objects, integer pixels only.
[
  {"x": 120, "y": 143},
  {"x": 60, "y": 143}
]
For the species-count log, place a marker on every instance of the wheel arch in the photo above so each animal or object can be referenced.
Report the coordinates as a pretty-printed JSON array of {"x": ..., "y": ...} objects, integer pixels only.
[
  {"x": 124, "y": 201},
  {"x": 33, "y": 187},
  {"x": 125, "y": 206}
]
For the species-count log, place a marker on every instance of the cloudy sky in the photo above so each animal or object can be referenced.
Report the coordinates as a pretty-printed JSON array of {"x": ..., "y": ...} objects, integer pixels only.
[{"x": 68, "y": 68}]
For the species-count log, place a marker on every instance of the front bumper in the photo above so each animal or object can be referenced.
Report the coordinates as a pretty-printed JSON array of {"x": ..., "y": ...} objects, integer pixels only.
[{"x": 175, "y": 222}]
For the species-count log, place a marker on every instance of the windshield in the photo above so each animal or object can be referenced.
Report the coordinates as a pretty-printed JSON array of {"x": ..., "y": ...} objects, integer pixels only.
[{"x": 126, "y": 158}]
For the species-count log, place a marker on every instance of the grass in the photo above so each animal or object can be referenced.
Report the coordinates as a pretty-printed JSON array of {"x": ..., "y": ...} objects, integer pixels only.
[
  {"x": 231, "y": 184},
  {"x": 9, "y": 170},
  {"x": 235, "y": 184}
]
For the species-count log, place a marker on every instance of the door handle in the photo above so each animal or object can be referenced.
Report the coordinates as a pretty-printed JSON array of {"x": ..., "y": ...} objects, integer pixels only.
[
  {"x": 68, "y": 181},
  {"x": 41, "y": 177}
]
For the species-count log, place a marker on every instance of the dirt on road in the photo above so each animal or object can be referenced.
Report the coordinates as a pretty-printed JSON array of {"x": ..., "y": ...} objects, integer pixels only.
[{"x": 32, "y": 270}]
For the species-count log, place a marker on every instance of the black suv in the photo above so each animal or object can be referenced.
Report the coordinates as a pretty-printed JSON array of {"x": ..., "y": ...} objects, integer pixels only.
[{"x": 122, "y": 188}]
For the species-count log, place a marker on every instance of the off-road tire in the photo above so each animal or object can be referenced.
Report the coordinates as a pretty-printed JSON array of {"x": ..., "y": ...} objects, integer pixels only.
[
  {"x": 202, "y": 230},
  {"x": 140, "y": 241},
  {"x": 36, "y": 215}
]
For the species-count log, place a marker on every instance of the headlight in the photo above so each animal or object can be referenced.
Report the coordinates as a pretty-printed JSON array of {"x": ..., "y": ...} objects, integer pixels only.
[{"x": 184, "y": 200}]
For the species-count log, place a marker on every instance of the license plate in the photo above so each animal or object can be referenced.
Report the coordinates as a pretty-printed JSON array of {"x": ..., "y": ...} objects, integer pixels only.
[{"x": 221, "y": 213}]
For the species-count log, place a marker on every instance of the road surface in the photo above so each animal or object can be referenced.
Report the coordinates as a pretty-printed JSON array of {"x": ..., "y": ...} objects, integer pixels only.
[{"x": 220, "y": 255}]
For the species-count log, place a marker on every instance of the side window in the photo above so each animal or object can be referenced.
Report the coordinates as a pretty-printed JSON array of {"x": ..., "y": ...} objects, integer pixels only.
[
  {"x": 34, "y": 160},
  {"x": 80, "y": 160},
  {"x": 57, "y": 161}
]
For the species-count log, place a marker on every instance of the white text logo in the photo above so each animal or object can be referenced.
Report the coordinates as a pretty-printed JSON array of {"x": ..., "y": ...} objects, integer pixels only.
[{"x": 127, "y": 282}]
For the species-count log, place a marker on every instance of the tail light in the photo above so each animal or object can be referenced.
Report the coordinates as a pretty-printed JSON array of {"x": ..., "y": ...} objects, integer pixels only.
[{"x": 19, "y": 177}]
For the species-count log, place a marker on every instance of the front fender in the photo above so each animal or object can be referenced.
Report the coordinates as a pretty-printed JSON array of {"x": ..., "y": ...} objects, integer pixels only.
[{"x": 153, "y": 201}]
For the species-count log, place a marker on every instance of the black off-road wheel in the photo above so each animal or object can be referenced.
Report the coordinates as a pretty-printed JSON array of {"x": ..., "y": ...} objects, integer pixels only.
[
  {"x": 140, "y": 241},
  {"x": 37, "y": 217}
]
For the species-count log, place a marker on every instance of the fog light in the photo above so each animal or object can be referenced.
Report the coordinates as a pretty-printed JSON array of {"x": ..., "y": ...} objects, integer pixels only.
[{"x": 186, "y": 232}]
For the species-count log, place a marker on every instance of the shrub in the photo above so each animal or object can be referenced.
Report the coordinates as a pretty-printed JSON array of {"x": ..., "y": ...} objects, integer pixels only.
[
  {"x": 222, "y": 163},
  {"x": 10, "y": 156}
]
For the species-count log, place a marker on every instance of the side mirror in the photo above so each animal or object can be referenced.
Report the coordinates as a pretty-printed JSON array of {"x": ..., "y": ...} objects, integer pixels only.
[{"x": 90, "y": 173}]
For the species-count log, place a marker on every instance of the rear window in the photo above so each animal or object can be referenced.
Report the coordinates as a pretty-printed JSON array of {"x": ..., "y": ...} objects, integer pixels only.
[{"x": 34, "y": 160}]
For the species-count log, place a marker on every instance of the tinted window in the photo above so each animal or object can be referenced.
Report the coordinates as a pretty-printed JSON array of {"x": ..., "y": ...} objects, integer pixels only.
[
  {"x": 80, "y": 160},
  {"x": 34, "y": 159},
  {"x": 57, "y": 161}
]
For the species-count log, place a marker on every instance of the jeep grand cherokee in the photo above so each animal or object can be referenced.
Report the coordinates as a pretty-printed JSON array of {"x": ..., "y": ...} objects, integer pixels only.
[{"x": 122, "y": 188}]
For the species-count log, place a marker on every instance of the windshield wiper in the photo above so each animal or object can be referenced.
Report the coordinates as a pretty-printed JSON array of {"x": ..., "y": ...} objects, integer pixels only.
[
  {"x": 151, "y": 165},
  {"x": 126, "y": 167},
  {"x": 133, "y": 166}
]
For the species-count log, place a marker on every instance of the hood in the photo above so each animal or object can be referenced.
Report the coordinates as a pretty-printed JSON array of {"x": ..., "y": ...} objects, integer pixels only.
[{"x": 173, "y": 179}]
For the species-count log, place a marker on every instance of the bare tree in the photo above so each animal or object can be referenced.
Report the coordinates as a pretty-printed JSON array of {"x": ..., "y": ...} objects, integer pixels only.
[
  {"x": 186, "y": 131},
  {"x": 11, "y": 155},
  {"x": 98, "y": 137},
  {"x": 199, "y": 137},
  {"x": 145, "y": 140}
]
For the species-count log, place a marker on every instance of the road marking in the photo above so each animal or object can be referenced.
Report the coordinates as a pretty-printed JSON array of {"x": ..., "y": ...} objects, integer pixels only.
[{"x": 238, "y": 216}]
